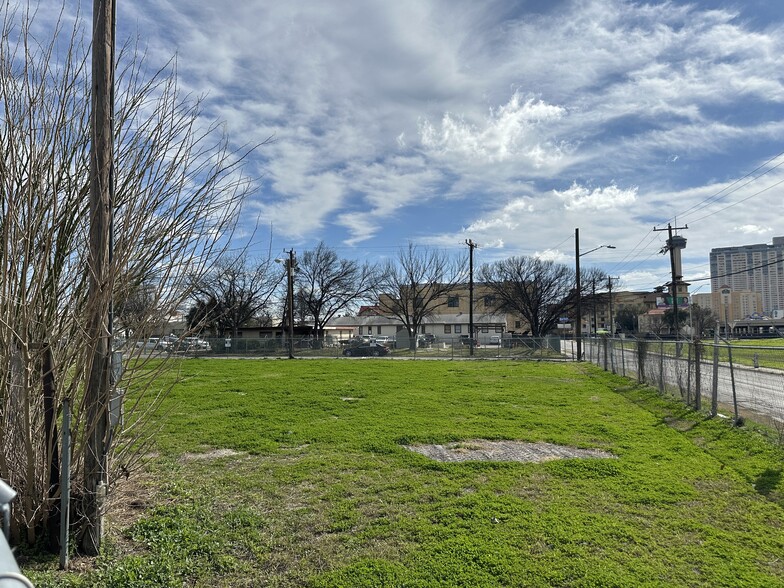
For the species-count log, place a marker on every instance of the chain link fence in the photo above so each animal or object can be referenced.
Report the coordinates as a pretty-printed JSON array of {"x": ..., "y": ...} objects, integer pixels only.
[
  {"x": 423, "y": 348},
  {"x": 742, "y": 378}
]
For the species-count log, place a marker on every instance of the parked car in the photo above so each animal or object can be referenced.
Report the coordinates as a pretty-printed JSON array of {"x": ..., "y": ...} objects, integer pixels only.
[
  {"x": 366, "y": 349},
  {"x": 169, "y": 342},
  {"x": 466, "y": 340},
  {"x": 151, "y": 344},
  {"x": 494, "y": 340},
  {"x": 385, "y": 340},
  {"x": 195, "y": 344}
]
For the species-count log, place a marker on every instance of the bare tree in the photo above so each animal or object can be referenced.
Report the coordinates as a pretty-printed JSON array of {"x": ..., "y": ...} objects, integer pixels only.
[
  {"x": 133, "y": 309},
  {"x": 416, "y": 284},
  {"x": 702, "y": 321},
  {"x": 592, "y": 283},
  {"x": 327, "y": 284},
  {"x": 236, "y": 291},
  {"x": 627, "y": 318},
  {"x": 178, "y": 192},
  {"x": 540, "y": 291}
]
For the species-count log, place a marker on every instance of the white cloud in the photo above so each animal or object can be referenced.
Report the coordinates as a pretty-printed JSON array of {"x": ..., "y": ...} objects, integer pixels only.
[
  {"x": 509, "y": 217},
  {"x": 508, "y": 132},
  {"x": 522, "y": 125},
  {"x": 753, "y": 230},
  {"x": 578, "y": 197},
  {"x": 553, "y": 255}
]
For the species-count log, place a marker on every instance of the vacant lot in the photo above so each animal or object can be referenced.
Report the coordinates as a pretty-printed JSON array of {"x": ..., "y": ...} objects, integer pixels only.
[{"x": 296, "y": 473}]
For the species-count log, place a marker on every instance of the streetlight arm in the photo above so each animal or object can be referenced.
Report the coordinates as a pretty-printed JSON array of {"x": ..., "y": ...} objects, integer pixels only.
[
  {"x": 596, "y": 249},
  {"x": 578, "y": 306}
]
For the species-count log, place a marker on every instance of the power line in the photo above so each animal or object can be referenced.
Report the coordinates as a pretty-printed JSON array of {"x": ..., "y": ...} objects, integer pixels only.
[
  {"x": 743, "y": 271},
  {"x": 717, "y": 196},
  {"x": 739, "y": 201}
]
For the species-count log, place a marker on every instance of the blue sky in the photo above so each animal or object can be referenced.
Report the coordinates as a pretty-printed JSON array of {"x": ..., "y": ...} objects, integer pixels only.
[{"x": 506, "y": 122}]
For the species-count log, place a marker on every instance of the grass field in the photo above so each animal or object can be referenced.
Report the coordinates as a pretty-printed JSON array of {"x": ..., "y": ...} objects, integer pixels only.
[{"x": 293, "y": 473}]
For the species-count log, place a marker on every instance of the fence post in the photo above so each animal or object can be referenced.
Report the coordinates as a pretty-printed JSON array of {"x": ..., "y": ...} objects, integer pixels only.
[
  {"x": 623, "y": 360},
  {"x": 661, "y": 366},
  {"x": 605, "y": 344},
  {"x": 65, "y": 485},
  {"x": 732, "y": 379},
  {"x": 612, "y": 354},
  {"x": 715, "y": 387},
  {"x": 641, "y": 351},
  {"x": 688, "y": 373},
  {"x": 697, "y": 374}
]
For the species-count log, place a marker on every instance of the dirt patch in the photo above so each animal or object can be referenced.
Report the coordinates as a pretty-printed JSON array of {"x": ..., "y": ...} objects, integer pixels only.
[
  {"x": 215, "y": 454},
  {"x": 484, "y": 450}
]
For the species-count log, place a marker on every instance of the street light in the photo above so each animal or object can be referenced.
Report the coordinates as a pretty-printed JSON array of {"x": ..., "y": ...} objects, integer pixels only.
[
  {"x": 290, "y": 297},
  {"x": 578, "y": 328}
]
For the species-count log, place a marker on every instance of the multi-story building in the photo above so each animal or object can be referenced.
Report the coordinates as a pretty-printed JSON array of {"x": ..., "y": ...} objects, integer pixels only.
[
  {"x": 454, "y": 306},
  {"x": 729, "y": 305},
  {"x": 754, "y": 268}
]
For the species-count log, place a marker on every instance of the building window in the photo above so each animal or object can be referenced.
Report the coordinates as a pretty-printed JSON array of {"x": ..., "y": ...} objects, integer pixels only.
[
  {"x": 489, "y": 301},
  {"x": 453, "y": 301},
  {"x": 458, "y": 328},
  {"x": 499, "y": 329},
  {"x": 485, "y": 329},
  {"x": 239, "y": 333},
  {"x": 378, "y": 330},
  {"x": 370, "y": 330},
  {"x": 518, "y": 324},
  {"x": 447, "y": 329}
]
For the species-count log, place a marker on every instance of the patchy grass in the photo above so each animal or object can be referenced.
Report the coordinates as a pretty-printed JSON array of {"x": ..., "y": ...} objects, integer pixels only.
[{"x": 304, "y": 481}]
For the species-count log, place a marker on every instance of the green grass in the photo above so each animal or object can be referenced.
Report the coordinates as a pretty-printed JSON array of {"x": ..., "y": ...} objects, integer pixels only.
[
  {"x": 767, "y": 353},
  {"x": 320, "y": 492}
]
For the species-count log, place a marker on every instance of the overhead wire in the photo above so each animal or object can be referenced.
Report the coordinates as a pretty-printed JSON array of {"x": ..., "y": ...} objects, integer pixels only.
[
  {"x": 752, "y": 176},
  {"x": 717, "y": 196},
  {"x": 742, "y": 271}
]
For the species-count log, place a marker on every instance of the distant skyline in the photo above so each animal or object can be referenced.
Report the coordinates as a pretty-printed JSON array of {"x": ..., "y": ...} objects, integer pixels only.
[{"x": 506, "y": 122}]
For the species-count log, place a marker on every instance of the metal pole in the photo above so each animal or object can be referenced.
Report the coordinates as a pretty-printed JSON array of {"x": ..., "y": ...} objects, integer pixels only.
[
  {"x": 291, "y": 303},
  {"x": 732, "y": 379},
  {"x": 65, "y": 485},
  {"x": 698, "y": 375},
  {"x": 715, "y": 387},
  {"x": 471, "y": 246},
  {"x": 578, "y": 326}
]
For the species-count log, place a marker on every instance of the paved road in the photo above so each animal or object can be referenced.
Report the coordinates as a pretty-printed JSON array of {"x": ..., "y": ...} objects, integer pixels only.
[{"x": 760, "y": 390}]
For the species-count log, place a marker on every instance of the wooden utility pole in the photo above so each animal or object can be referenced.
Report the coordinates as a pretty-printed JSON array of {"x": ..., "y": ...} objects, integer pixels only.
[
  {"x": 612, "y": 317},
  {"x": 471, "y": 247},
  {"x": 99, "y": 324},
  {"x": 578, "y": 323},
  {"x": 673, "y": 271},
  {"x": 290, "y": 266}
]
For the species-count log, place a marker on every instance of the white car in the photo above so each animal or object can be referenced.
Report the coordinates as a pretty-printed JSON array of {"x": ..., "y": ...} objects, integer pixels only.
[
  {"x": 151, "y": 344},
  {"x": 385, "y": 340},
  {"x": 195, "y": 344}
]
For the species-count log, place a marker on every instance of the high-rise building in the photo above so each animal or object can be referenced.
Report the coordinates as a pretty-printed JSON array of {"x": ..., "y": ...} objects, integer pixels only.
[
  {"x": 730, "y": 305},
  {"x": 755, "y": 268}
]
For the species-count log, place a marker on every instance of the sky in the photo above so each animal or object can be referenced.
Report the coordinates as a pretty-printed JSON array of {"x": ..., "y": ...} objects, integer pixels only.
[{"x": 510, "y": 122}]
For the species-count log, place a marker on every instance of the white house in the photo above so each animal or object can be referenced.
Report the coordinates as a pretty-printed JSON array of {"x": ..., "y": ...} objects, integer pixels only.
[{"x": 445, "y": 327}]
